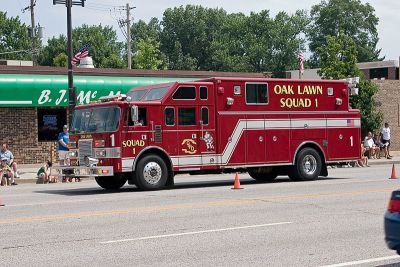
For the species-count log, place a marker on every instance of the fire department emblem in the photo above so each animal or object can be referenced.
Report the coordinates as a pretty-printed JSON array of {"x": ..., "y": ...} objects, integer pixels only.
[
  {"x": 188, "y": 146},
  {"x": 209, "y": 140}
]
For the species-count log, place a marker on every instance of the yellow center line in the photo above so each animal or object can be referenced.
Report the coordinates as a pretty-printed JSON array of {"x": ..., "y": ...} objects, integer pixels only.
[{"x": 201, "y": 205}]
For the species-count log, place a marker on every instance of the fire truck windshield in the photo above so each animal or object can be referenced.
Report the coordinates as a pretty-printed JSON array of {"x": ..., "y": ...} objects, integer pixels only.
[
  {"x": 96, "y": 120},
  {"x": 151, "y": 94}
]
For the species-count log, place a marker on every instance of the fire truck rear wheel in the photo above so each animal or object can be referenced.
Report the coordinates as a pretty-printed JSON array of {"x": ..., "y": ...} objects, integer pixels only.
[
  {"x": 308, "y": 165},
  {"x": 111, "y": 183},
  {"x": 263, "y": 175},
  {"x": 151, "y": 173}
]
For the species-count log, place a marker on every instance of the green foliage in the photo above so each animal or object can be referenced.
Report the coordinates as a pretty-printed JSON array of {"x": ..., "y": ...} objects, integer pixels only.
[
  {"x": 61, "y": 60},
  {"x": 14, "y": 37},
  {"x": 338, "y": 61},
  {"x": 105, "y": 49},
  {"x": 351, "y": 17},
  {"x": 371, "y": 119},
  {"x": 338, "y": 58},
  {"x": 188, "y": 33},
  {"x": 148, "y": 55}
]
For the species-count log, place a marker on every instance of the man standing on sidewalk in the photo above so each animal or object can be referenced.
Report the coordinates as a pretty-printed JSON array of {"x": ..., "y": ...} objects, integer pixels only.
[
  {"x": 63, "y": 140},
  {"x": 385, "y": 133}
]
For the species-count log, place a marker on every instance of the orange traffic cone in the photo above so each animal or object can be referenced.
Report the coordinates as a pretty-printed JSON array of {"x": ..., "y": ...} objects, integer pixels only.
[
  {"x": 236, "y": 185},
  {"x": 394, "y": 176}
]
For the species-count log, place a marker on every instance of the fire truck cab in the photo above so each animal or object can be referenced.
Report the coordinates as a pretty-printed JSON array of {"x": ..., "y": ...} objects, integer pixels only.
[{"x": 267, "y": 127}]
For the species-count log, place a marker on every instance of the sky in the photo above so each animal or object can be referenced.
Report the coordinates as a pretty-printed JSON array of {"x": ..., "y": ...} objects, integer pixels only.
[{"x": 108, "y": 12}]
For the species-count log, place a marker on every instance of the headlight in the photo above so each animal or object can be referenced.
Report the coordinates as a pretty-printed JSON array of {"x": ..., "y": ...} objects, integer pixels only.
[
  {"x": 73, "y": 154},
  {"x": 100, "y": 153}
]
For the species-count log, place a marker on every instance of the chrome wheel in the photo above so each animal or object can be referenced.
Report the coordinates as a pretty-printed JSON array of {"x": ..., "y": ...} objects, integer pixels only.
[
  {"x": 152, "y": 173},
  {"x": 309, "y": 164}
]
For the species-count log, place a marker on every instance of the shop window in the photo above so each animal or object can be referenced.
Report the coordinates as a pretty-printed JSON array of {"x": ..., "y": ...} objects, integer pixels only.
[
  {"x": 50, "y": 123},
  {"x": 379, "y": 73},
  {"x": 187, "y": 116},
  {"x": 185, "y": 93},
  {"x": 257, "y": 93}
]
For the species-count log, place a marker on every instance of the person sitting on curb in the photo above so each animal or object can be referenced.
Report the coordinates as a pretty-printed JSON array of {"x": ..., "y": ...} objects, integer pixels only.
[
  {"x": 44, "y": 173},
  {"x": 6, "y": 174},
  {"x": 5, "y": 153},
  {"x": 363, "y": 161}
]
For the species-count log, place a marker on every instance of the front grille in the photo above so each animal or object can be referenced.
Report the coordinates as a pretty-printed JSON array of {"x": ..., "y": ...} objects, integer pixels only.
[{"x": 85, "y": 149}]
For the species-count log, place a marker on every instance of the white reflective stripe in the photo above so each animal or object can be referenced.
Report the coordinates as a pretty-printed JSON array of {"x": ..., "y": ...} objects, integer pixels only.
[
  {"x": 270, "y": 124},
  {"x": 256, "y": 124},
  {"x": 312, "y": 123}
]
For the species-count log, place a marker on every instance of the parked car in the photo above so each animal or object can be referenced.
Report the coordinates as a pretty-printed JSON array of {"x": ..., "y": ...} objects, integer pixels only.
[{"x": 392, "y": 222}]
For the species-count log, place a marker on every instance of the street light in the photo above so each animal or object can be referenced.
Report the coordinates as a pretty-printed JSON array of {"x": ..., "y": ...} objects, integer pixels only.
[{"x": 71, "y": 88}]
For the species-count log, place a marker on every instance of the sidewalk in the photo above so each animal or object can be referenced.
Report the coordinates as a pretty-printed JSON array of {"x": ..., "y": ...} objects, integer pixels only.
[{"x": 27, "y": 172}]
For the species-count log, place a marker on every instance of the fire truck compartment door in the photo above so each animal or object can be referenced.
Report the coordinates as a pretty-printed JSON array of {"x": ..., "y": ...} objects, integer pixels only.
[{"x": 311, "y": 127}]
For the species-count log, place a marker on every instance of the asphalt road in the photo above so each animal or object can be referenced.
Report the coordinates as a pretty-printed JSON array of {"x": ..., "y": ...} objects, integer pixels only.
[{"x": 202, "y": 222}]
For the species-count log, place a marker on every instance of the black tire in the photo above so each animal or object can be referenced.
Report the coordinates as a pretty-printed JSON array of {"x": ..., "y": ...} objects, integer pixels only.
[
  {"x": 263, "y": 174},
  {"x": 307, "y": 167},
  {"x": 111, "y": 183},
  {"x": 151, "y": 173}
]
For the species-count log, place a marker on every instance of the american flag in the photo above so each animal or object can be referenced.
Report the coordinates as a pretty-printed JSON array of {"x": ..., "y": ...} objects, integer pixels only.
[
  {"x": 350, "y": 123},
  {"x": 83, "y": 52},
  {"x": 301, "y": 63}
]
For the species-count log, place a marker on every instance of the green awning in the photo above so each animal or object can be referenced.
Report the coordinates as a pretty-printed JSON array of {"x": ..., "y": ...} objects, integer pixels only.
[{"x": 30, "y": 90}]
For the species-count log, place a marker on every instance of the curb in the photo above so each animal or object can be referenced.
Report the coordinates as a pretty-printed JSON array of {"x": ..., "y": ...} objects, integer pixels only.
[{"x": 33, "y": 180}]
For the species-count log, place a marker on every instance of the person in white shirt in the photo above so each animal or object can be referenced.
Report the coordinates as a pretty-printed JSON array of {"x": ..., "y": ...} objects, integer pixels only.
[
  {"x": 385, "y": 135},
  {"x": 370, "y": 146}
]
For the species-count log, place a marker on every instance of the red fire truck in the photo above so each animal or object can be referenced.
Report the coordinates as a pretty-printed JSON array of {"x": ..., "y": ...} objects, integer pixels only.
[{"x": 267, "y": 127}]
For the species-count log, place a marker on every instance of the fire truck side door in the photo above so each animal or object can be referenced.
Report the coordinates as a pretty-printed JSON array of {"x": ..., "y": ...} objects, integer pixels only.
[
  {"x": 207, "y": 144},
  {"x": 188, "y": 129}
]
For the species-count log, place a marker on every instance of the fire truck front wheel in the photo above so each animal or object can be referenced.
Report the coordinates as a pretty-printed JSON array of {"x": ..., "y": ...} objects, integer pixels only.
[
  {"x": 151, "y": 173},
  {"x": 307, "y": 167},
  {"x": 111, "y": 183}
]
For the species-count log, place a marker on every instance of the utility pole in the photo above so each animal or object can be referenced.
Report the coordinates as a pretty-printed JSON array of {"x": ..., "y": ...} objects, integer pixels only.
[
  {"x": 71, "y": 88},
  {"x": 33, "y": 3},
  {"x": 128, "y": 35}
]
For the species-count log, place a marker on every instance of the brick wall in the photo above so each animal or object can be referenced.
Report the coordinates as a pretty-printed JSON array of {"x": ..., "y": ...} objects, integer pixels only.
[
  {"x": 388, "y": 98},
  {"x": 19, "y": 129}
]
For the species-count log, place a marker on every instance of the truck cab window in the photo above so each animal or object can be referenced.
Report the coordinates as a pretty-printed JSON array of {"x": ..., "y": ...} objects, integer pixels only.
[
  {"x": 143, "y": 116},
  {"x": 203, "y": 92},
  {"x": 128, "y": 118},
  {"x": 187, "y": 116},
  {"x": 257, "y": 93},
  {"x": 185, "y": 93},
  {"x": 169, "y": 116}
]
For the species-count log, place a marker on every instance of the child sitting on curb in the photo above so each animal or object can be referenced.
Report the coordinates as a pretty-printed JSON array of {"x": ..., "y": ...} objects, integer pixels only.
[{"x": 43, "y": 174}]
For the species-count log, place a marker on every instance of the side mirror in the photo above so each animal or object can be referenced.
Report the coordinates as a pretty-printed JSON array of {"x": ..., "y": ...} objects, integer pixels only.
[{"x": 134, "y": 113}]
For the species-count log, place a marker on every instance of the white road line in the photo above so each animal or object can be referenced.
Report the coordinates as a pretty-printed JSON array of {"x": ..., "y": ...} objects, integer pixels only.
[
  {"x": 350, "y": 263},
  {"x": 194, "y": 233}
]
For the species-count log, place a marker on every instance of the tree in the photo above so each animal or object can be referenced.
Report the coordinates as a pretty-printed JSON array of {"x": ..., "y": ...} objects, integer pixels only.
[
  {"x": 148, "y": 55},
  {"x": 13, "y": 38},
  {"x": 61, "y": 60},
  {"x": 338, "y": 61},
  {"x": 259, "y": 43},
  {"x": 105, "y": 50},
  {"x": 188, "y": 32},
  {"x": 351, "y": 17}
]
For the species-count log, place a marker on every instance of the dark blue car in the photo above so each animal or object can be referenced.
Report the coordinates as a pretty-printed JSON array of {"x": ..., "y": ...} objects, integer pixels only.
[{"x": 392, "y": 222}]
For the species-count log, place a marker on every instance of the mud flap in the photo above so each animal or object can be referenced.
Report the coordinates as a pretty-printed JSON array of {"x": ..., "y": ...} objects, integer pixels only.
[{"x": 324, "y": 171}]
